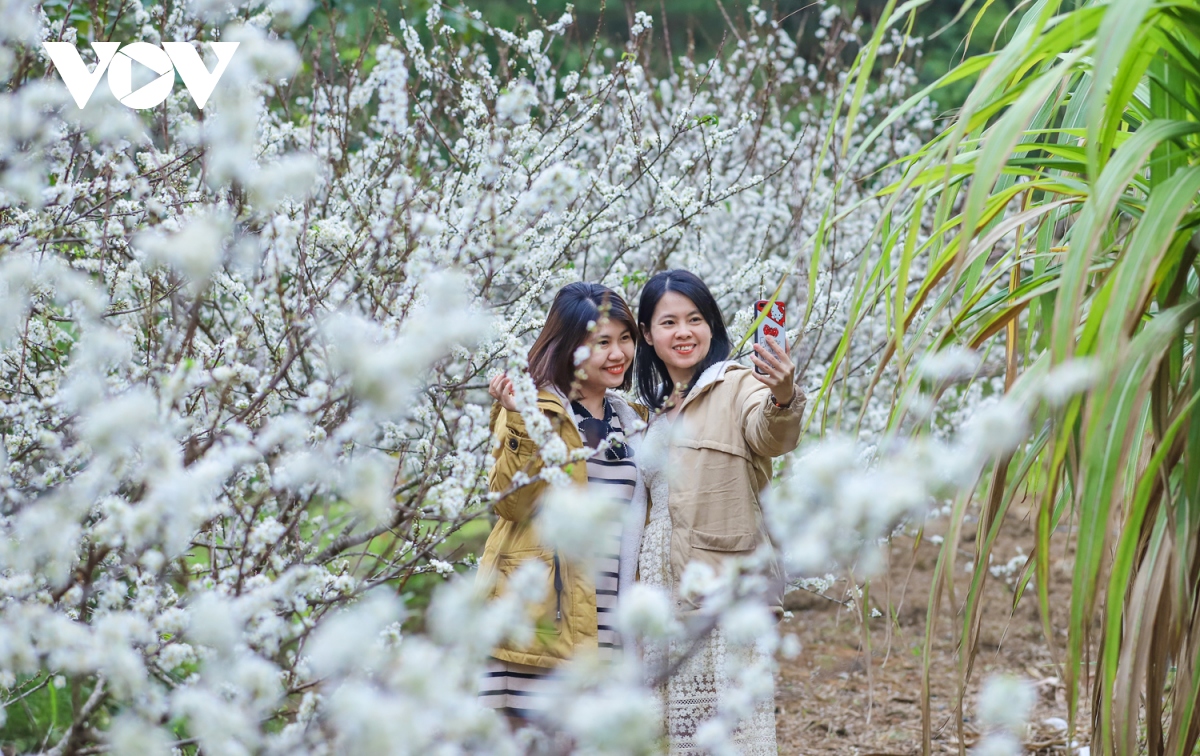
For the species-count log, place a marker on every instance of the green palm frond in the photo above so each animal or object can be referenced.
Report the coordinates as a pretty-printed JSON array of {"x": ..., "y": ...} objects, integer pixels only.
[{"x": 1089, "y": 121}]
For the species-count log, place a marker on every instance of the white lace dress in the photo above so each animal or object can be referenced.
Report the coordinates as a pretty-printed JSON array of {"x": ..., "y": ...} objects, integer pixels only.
[{"x": 696, "y": 692}]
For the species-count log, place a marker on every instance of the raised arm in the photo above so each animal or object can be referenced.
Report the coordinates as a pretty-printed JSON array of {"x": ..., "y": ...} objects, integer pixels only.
[
  {"x": 769, "y": 430},
  {"x": 515, "y": 453}
]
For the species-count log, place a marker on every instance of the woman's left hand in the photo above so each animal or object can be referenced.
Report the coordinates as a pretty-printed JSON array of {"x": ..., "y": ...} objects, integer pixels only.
[{"x": 779, "y": 372}]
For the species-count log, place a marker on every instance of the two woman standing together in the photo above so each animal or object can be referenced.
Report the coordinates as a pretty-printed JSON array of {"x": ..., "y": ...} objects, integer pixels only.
[{"x": 692, "y": 478}]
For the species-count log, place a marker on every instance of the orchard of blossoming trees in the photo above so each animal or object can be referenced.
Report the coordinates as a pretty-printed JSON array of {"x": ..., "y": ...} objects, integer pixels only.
[{"x": 244, "y": 350}]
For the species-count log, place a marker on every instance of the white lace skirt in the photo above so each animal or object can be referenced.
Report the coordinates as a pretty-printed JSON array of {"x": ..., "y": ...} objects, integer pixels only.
[{"x": 705, "y": 682}]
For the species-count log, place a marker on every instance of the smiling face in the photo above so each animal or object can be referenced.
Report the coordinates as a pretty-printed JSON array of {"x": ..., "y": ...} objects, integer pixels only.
[
  {"x": 611, "y": 357},
  {"x": 679, "y": 334}
]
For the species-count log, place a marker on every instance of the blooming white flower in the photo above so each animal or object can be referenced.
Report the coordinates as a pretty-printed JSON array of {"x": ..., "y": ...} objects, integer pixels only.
[
  {"x": 617, "y": 720},
  {"x": 195, "y": 250},
  {"x": 1002, "y": 744},
  {"x": 1068, "y": 379},
  {"x": 996, "y": 429},
  {"x": 368, "y": 487},
  {"x": 130, "y": 735},
  {"x": 642, "y": 22},
  {"x": 646, "y": 612},
  {"x": 790, "y": 647},
  {"x": 950, "y": 364},
  {"x": 746, "y": 622},
  {"x": 514, "y": 105},
  {"x": 352, "y": 640},
  {"x": 571, "y": 519},
  {"x": 1006, "y": 702},
  {"x": 386, "y": 370},
  {"x": 698, "y": 580}
]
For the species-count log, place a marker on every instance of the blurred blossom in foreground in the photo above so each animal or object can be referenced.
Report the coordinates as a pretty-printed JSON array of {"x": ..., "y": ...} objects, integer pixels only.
[
  {"x": 569, "y": 519},
  {"x": 1006, "y": 702},
  {"x": 838, "y": 498},
  {"x": 950, "y": 364},
  {"x": 1003, "y": 709},
  {"x": 385, "y": 370},
  {"x": 1069, "y": 379},
  {"x": 244, "y": 351},
  {"x": 646, "y": 612}
]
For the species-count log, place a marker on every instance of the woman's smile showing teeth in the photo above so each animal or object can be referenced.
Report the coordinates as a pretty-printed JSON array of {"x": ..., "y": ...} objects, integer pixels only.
[
  {"x": 680, "y": 336},
  {"x": 605, "y": 363}
]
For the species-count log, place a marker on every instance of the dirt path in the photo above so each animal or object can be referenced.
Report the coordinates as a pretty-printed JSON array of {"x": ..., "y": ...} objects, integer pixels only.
[{"x": 827, "y": 703}]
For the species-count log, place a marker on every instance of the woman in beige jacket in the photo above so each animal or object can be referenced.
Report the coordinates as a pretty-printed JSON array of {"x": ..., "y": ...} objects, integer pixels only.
[{"x": 705, "y": 459}]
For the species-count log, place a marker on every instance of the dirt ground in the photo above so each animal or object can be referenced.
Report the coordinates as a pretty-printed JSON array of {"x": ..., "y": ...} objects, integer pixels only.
[{"x": 828, "y": 702}]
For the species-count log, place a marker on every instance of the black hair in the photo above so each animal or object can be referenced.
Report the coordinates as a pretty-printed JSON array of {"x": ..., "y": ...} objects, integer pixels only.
[
  {"x": 552, "y": 356},
  {"x": 653, "y": 381}
]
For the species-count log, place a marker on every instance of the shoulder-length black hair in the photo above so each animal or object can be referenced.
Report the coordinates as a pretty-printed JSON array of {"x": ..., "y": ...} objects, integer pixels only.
[
  {"x": 653, "y": 380},
  {"x": 576, "y": 305}
]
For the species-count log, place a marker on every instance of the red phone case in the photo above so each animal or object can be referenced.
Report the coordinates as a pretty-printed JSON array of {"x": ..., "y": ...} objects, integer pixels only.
[{"x": 772, "y": 325}]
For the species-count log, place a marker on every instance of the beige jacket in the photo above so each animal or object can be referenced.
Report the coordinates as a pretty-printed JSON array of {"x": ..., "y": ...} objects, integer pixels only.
[{"x": 719, "y": 462}]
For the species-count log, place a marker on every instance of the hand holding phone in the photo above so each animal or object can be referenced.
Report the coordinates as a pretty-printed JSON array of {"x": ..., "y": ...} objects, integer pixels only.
[
  {"x": 773, "y": 367},
  {"x": 772, "y": 326}
]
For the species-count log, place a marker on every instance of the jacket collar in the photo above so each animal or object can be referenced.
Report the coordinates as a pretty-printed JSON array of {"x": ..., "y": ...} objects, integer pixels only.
[
  {"x": 550, "y": 399},
  {"x": 709, "y": 378}
]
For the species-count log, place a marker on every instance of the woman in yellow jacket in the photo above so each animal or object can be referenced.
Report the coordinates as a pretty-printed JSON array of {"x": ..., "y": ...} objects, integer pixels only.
[{"x": 576, "y": 393}]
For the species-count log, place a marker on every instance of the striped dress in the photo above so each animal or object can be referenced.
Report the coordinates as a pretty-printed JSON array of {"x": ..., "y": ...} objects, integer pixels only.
[{"x": 522, "y": 690}]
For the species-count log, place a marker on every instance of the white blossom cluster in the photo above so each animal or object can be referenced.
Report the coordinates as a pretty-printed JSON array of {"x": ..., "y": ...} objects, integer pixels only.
[
  {"x": 1004, "y": 707},
  {"x": 243, "y": 350},
  {"x": 841, "y": 499}
]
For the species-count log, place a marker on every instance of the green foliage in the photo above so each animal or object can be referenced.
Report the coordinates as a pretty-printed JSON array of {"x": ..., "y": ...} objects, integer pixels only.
[
  {"x": 702, "y": 28},
  {"x": 458, "y": 546},
  {"x": 1078, "y": 147},
  {"x": 39, "y": 711}
]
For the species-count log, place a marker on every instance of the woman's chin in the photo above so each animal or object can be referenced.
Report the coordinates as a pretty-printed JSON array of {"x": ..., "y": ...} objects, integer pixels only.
[
  {"x": 608, "y": 381},
  {"x": 613, "y": 382},
  {"x": 685, "y": 364}
]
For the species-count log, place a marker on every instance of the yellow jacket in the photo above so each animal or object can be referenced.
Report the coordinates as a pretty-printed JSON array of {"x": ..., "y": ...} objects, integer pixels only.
[{"x": 566, "y": 620}]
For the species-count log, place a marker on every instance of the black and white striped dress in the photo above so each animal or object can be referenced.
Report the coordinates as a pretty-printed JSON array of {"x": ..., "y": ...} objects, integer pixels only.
[
  {"x": 616, "y": 477},
  {"x": 522, "y": 690}
]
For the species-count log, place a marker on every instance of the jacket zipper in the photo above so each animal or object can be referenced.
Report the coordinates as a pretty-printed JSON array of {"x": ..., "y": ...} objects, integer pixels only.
[{"x": 557, "y": 588}]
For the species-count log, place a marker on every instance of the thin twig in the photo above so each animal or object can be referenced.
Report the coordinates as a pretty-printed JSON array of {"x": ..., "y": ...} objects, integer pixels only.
[{"x": 67, "y": 742}]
